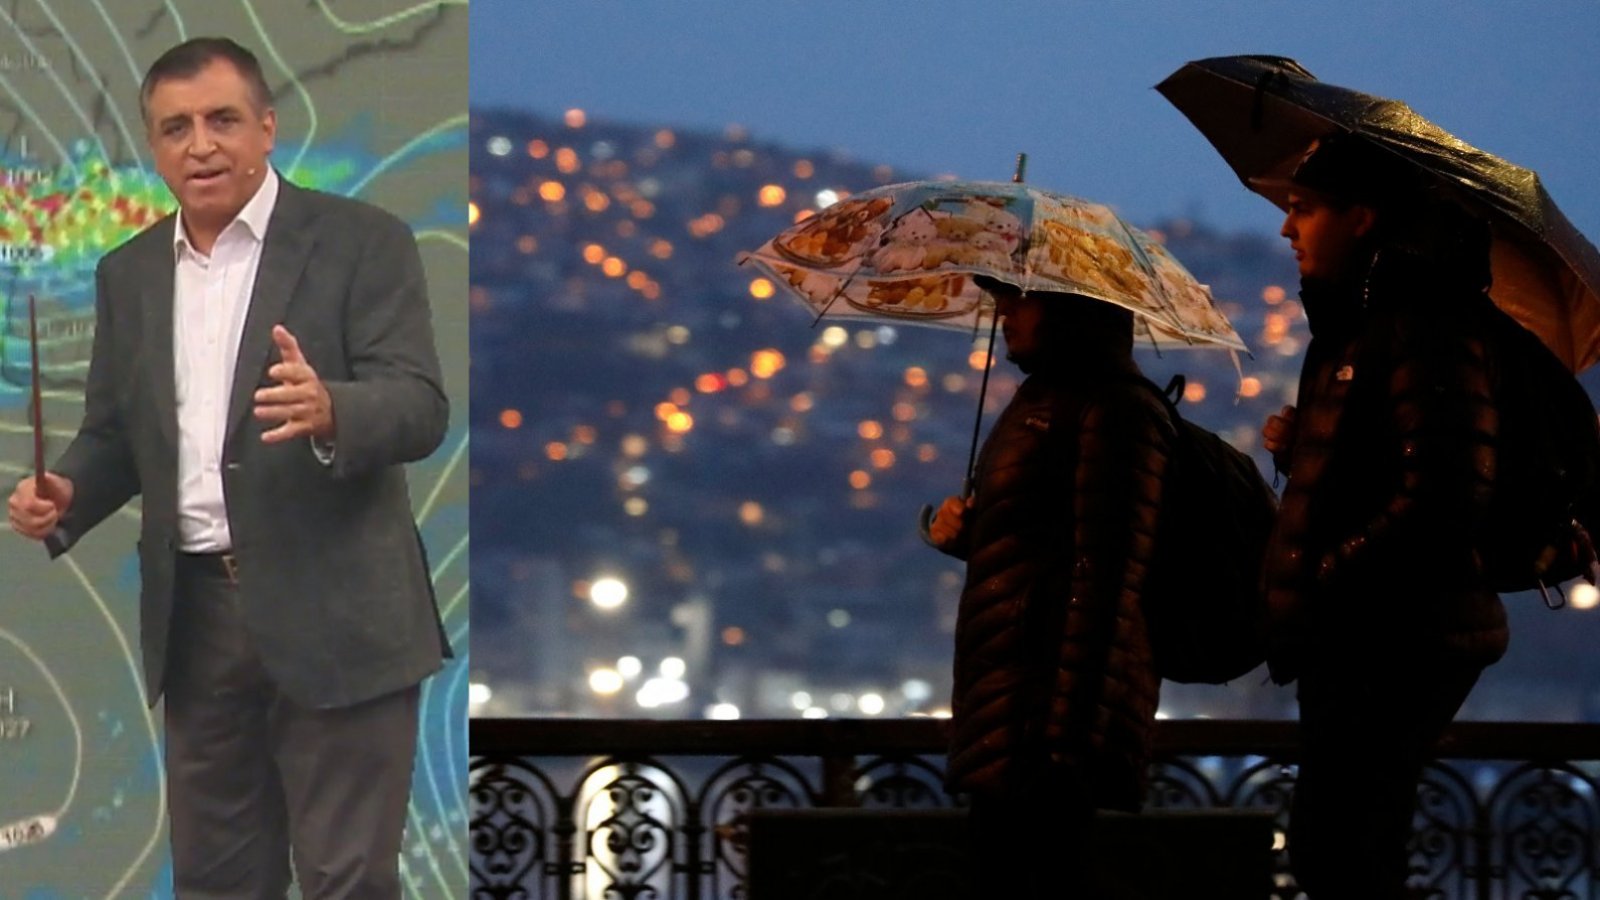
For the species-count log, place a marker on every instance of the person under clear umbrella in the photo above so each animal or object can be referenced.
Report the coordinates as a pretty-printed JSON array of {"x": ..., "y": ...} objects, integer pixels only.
[
  {"x": 1378, "y": 604},
  {"x": 1055, "y": 692}
]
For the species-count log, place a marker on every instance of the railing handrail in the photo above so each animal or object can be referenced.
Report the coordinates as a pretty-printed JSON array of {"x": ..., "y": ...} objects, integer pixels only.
[{"x": 556, "y": 736}]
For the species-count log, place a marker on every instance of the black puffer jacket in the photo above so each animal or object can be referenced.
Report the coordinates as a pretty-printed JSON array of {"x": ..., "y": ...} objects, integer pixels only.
[
  {"x": 1390, "y": 476},
  {"x": 1052, "y": 662}
]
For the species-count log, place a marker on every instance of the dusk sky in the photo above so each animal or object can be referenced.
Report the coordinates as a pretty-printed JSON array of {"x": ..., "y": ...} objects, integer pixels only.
[{"x": 961, "y": 86}]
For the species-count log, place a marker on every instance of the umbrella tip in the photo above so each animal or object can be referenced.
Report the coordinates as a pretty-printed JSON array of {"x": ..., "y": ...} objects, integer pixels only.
[{"x": 1022, "y": 163}]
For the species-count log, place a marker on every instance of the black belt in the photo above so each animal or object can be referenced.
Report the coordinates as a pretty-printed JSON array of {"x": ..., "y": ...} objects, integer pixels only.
[{"x": 222, "y": 564}]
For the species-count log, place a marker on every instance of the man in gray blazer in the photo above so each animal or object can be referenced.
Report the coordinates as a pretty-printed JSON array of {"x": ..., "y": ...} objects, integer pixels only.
[{"x": 263, "y": 366}]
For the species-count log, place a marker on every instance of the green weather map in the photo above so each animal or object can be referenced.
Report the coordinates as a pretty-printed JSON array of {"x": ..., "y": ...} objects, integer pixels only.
[{"x": 371, "y": 102}]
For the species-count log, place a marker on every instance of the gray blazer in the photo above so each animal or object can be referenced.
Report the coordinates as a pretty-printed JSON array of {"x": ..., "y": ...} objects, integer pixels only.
[{"x": 333, "y": 583}]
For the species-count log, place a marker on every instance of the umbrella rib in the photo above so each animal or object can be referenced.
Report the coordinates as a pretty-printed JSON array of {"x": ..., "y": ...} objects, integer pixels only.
[
  {"x": 838, "y": 292},
  {"x": 1155, "y": 277}
]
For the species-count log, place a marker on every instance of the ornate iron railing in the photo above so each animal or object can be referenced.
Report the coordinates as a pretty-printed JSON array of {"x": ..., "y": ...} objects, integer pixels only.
[{"x": 564, "y": 809}]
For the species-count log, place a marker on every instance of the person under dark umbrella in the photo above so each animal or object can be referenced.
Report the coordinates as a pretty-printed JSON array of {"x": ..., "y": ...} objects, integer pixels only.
[
  {"x": 1378, "y": 604},
  {"x": 1055, "y": 692}
]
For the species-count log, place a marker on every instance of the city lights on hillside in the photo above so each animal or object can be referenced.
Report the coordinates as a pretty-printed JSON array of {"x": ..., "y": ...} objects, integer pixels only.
[
  {"x": 605, "y": 681},
  {"x": 766, "y": 363},
  {"x": 751, "y": 513},
  {"x": 608, "y": 592},
  {"x": 658, "y": 692}
]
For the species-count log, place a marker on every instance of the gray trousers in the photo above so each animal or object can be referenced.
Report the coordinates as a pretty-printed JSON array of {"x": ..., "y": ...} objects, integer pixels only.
[{"x": 255, "y": 780}]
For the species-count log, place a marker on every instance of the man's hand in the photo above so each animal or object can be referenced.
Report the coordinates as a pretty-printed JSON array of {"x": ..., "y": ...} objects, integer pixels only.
[
  {"x": 34, "y": 512},
  {"x": 1277, "y": 435},
  {"x": 300, "y": 401},
  {"x": 945, "y": 530}
]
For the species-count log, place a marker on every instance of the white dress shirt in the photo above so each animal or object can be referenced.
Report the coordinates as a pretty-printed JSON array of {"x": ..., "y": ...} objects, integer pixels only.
[{"x": 211, "y": 295}]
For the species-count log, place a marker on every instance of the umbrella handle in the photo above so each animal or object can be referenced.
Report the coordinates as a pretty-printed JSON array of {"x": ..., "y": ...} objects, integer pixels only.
[{"x": 925, "y": 525}]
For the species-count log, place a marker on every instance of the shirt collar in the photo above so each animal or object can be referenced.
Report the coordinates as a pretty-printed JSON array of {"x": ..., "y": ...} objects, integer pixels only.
[{"x": 253, "y": 218}]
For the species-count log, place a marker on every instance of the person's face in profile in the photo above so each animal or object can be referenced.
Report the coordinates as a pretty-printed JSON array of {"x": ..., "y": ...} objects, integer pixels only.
[
  {"x": 1322, "y": 235},
  {"x": 1021, "y": 321},
  {"x": 210, "y": 136}
]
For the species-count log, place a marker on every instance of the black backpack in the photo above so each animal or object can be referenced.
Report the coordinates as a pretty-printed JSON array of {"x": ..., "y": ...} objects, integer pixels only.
[
  {"x": 1546, "y": 498},
  {"x": 1202, "y": 596}
]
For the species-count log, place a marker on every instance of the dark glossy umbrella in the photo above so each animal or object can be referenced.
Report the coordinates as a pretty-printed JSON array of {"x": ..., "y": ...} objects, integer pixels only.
[{"x": 1263, "y": 112}]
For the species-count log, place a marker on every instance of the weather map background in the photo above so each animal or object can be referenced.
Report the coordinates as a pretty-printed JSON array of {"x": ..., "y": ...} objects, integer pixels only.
[{"x": 371, "y": 101}]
